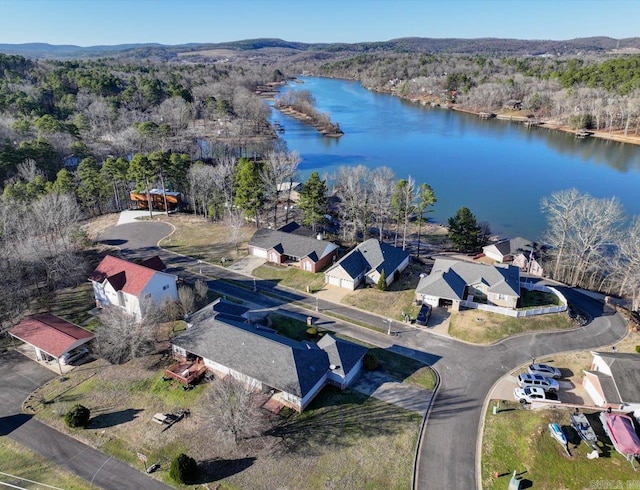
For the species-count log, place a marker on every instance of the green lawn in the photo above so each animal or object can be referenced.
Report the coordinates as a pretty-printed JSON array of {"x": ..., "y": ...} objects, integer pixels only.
[
  {"x": 72, "y": 304},
  {"x": 292, "y": 277},
  {"x": 481, "y": 327},
  {"x": 21, "y": 462},
  {"x": 519, "y": 440}
]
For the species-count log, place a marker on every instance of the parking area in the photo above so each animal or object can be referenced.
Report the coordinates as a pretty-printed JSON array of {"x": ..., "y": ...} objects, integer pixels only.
[
  {"x": 53, "y": 365},
  {"x": 571, "y": 390}
]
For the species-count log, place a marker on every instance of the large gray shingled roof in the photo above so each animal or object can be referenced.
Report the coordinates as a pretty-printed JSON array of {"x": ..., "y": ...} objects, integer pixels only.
[
  {"x": 625, "y": 371},
  {"x": 448, "y": 279},
  {"x": 371, "y": 255},
  {"x": 291, "y": 244},
  {"x": 343, "y": 355},
  {"x": 281, "y": 363}
]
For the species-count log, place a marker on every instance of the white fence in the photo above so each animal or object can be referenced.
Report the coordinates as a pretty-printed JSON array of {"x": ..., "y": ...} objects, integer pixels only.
[{"x": 526, "y": 312}]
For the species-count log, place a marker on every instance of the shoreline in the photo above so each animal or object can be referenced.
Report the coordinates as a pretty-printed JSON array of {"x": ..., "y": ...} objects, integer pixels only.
[
  {"x": 307, "y": 119},
  {"x": 551, "y": 124}
]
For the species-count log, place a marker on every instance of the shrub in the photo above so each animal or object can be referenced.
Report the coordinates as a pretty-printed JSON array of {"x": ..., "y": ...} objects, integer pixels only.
[
  {"x": 184, "y": 469},
  {"x": 312, "y": 331},
  {"x": 78, "y": 416},
  {"x": 370, "y": 362},
  {"x": 382, "y": 281},
  {"x": 638, "y": 348}
]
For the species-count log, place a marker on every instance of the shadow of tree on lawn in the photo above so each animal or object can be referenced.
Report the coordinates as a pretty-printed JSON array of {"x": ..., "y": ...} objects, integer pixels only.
[
  {"x": 219, "y": 469},
  {"x": 105, "y": 420}
]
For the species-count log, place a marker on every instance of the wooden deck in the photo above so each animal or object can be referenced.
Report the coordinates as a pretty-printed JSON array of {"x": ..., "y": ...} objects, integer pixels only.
[{"x": 186, "y": 372}]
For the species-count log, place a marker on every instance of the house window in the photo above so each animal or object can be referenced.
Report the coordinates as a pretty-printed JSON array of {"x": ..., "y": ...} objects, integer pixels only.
[
  {"x": 502, "y": 296},
  {"x": 165, "y": 287}
]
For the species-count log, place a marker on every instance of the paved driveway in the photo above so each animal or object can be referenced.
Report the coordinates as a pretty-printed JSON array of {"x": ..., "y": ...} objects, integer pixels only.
[
  {"x": 20, "y": 376},
  {"x": 380, "y": 386},
  {"x": 467, "y": 372}
]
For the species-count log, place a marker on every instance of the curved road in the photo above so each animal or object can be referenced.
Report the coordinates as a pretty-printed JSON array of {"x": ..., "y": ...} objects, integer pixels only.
[{"x": 468, "y": 372}]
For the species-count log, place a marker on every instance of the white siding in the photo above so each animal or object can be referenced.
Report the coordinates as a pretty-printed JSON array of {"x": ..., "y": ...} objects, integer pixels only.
[
  {"x": 593, "y": 392},
  {"x": 258, "y": 252}
]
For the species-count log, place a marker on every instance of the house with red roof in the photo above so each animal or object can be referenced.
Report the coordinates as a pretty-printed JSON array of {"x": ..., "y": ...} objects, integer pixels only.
[
  {"x": 51, "y": 336},
  {"x": 132, "y": 287}
]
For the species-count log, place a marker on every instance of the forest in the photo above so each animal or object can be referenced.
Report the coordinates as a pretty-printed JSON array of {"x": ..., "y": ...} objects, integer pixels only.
[{"x": 78, "y": 135}]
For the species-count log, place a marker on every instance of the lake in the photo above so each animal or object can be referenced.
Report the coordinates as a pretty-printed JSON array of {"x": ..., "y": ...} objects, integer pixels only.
[{"x": 498, "y": 169}]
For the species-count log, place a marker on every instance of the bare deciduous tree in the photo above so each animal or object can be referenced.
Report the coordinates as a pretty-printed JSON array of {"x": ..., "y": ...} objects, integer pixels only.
[
  {"x": 234, "y": 410},
  {"x": 121, "y": 337}
]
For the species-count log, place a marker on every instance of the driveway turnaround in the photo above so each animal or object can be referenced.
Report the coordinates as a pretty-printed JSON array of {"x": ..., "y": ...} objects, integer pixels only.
[
  {"x": 467, "y": 372},
  {"x": 20, "y": 376}
]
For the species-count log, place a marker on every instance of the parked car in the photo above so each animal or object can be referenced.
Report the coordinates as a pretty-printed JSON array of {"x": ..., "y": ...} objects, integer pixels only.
[
  {"x": 538, "y": 381},
  {"x": 73, "y": 356},
  {"x": 544, "y": 370},
  {"x": 528, "y": 395},
  {"x": 423, "y": 315}
]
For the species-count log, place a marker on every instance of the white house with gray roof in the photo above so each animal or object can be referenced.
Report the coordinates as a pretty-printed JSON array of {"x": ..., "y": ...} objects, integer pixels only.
[
  {"x": 613, "y": 380},
  {"x": 453, "y": 281},
  {"x": 280, "y": 247},
  {"x": 293, "y": 372},
  {"x": 366, "y": 263},
  {"x": 519, "y": 251}
]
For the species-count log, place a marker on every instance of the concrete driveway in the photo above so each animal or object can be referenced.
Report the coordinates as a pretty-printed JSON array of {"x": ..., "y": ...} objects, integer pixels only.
[
  {"x": 468, "y": 372},
  {"x": 20, "y": 376},
  {"x": 379, "y": 385}
]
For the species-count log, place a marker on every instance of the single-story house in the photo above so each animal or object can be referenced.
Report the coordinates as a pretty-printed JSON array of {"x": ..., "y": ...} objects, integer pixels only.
[
  {"x": 613, "y": 380},
  {"x": 130, "y": 286},
  {"x": 366, "y": 263},
  {"x": 292, "y": 372},
  {"x": 281, "y": 247},
  {"x": 452, "y": 281},
  {"x": 50, "y": 336},
  {"x": 519, "y": 251}
]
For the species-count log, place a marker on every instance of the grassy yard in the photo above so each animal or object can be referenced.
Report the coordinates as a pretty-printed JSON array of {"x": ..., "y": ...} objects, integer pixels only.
[
  {"x": 535, "y": 299},
  {"x": 291, "y": 277},
  {"x": 202, "y": 239},
  {"x": 482, "y": 327},
  {"x": 343, "y": 438},
  {"x": 72, "y": 304},
  {"x": 518, "y": 439},
  {"x": 397, "y": 301},
  {"x": 21, "y": 462}
]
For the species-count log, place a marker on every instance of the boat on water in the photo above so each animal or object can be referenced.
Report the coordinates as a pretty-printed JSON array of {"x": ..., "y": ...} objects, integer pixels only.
[
  {"x": 623, "y": 435},
  {"x": 582, "y": 426},
  {"x": 557, "y": 434}
]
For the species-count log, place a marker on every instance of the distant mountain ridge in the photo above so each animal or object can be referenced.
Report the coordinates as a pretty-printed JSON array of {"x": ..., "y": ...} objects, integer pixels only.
[{"x": 480, "y": 46}]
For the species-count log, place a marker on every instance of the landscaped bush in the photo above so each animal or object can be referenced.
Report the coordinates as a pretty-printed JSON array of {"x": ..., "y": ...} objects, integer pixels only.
[
  {"x": 312, "y": 331},
  {"x": 370, "y": 362},
  {"x": 78, "y": 416},
  {"x": 638, "y": 348},
  {"x": 184, "y": 469}
]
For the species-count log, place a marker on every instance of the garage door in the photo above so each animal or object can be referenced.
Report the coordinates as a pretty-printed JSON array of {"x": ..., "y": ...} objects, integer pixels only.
[
  {"x": 347, "y": 284},
  {"x": 258, "y": 252},
  {"x": 334, "y": 281}
]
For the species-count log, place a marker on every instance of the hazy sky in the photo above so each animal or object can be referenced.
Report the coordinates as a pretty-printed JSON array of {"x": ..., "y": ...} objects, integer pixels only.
[{"x": 92, "y": 22}]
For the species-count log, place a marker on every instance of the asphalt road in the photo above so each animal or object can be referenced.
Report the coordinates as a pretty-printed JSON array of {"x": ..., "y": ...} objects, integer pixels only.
[
  {"x": 468, "y": 372},
  {"x": 20, "y": 376}
]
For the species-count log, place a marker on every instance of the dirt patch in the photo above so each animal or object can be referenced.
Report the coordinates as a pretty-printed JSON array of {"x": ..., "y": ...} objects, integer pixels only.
[{"x": 95, "y": 226}]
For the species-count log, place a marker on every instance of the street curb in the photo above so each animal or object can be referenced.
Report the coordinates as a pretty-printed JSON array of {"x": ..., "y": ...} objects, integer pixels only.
[
  {"x": 487, "y": 399},
  {"x": 416, "y": 462}
]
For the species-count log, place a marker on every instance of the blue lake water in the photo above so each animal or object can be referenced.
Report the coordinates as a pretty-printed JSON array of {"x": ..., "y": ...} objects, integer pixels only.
[{"x": 498, "y": 169}]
